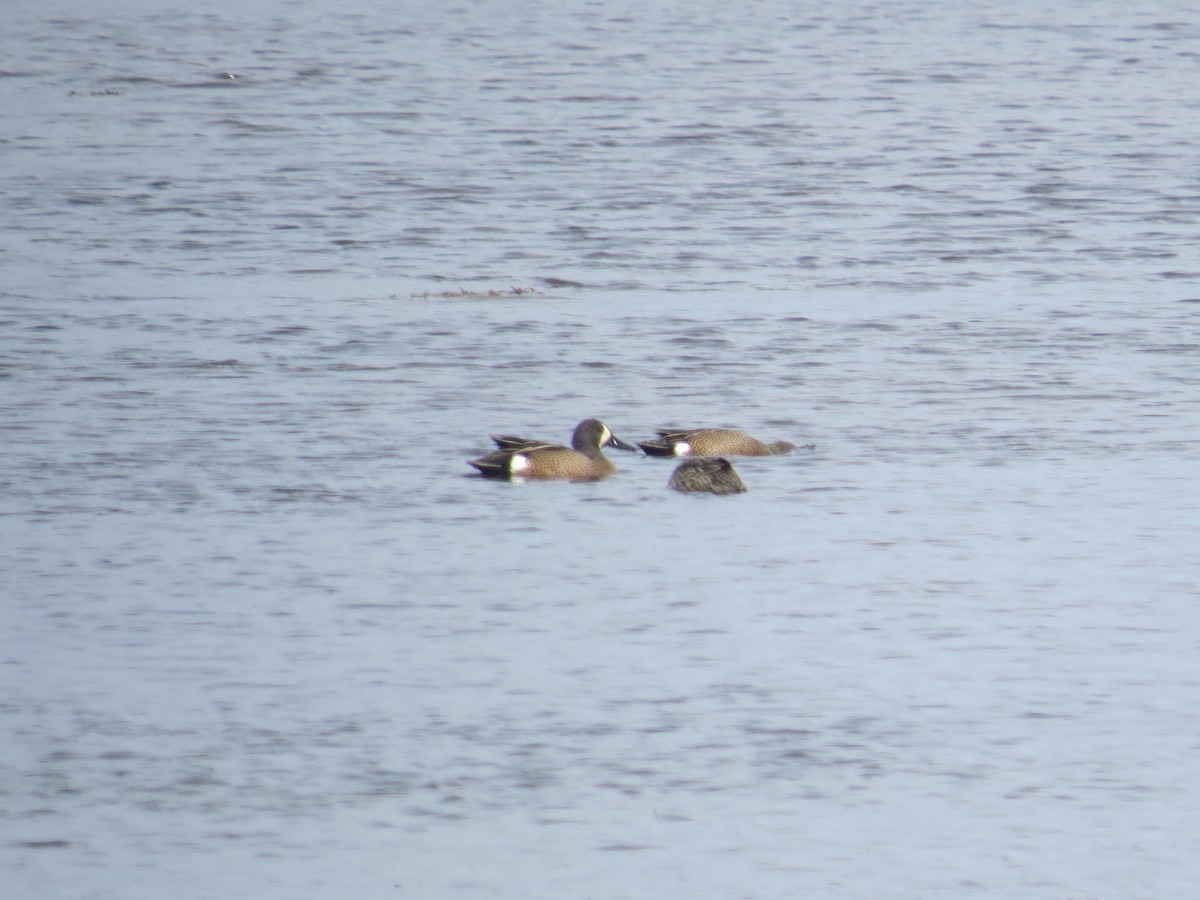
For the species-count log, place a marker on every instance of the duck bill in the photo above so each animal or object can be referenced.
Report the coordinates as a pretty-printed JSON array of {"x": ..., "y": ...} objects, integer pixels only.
[{"x": 614, "y": 441}]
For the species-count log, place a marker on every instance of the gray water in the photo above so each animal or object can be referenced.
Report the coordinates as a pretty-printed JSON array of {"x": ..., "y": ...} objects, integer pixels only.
[{"x": 270, "y": 275}]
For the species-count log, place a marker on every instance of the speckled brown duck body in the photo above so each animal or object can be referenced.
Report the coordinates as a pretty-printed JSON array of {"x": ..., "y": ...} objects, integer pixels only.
[
  {"x": 706, "y": 475},
  {"x": 711, "y": 442},
  {"x": 584, "y": 460}
]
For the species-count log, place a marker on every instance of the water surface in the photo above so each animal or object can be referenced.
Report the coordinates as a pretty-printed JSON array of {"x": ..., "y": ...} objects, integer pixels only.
[{"x": 272, "y": 275}]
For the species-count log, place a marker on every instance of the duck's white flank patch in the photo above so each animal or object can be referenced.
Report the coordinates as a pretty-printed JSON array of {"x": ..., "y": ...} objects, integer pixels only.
[
  {"x": 683, "y": 448},
  {"x": 518, "y": 463}
]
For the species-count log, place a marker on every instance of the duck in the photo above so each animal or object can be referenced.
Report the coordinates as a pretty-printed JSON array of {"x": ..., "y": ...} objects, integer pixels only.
[
  {"x": 520, "y": 458},
  {"x": 710, "y": 442},
  {"x": 706, "y": 474}
]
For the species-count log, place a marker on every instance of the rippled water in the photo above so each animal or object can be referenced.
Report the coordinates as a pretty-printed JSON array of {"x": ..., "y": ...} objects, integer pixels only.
[{"x": 271, "y": 276}]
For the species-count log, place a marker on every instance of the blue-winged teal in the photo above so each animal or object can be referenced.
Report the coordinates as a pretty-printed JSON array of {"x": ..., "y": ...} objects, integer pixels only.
[
  {"x": 706, "y": 474},
  {"x": 526, "y": 458},
  {"x": 710, "y": 442}
]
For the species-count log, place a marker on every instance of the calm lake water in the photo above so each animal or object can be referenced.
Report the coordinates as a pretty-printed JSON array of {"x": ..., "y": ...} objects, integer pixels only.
[{"x": 271, "y": 275}]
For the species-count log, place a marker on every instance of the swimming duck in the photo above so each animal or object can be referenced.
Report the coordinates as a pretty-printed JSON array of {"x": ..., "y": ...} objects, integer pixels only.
[
  {"x": 710, "y": 442},
  {"x": 519, "y": 457},
  {"x": 706, "y": 474}
]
